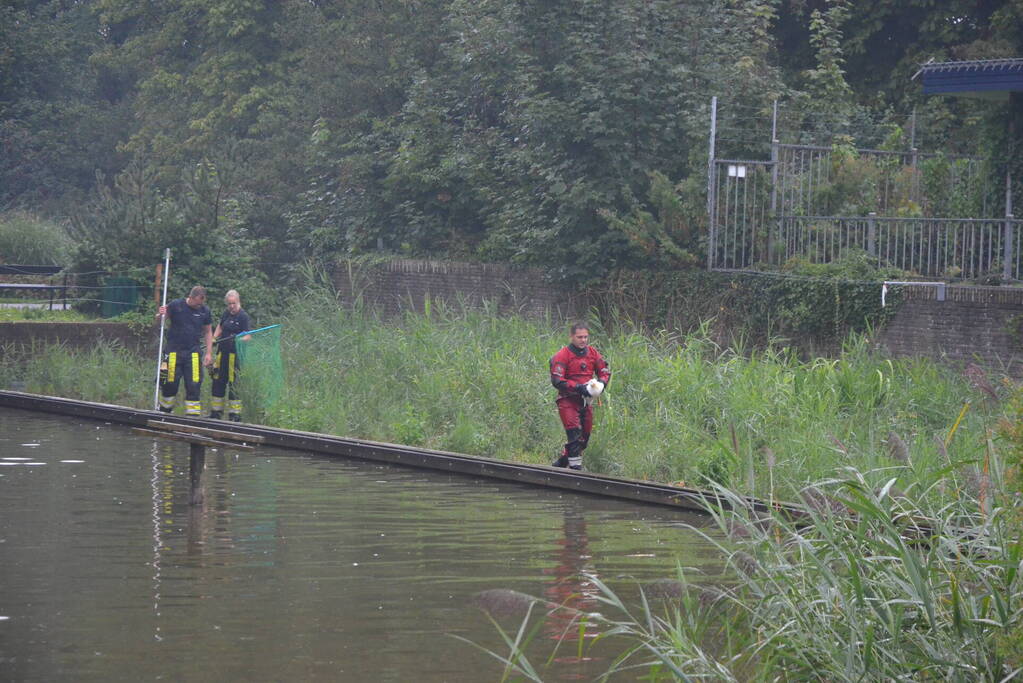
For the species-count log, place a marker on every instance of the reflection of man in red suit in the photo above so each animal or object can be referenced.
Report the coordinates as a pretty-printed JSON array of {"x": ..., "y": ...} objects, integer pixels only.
[
  {"x": 571, "y": 369},
  {"x": 569, "y": 589}
]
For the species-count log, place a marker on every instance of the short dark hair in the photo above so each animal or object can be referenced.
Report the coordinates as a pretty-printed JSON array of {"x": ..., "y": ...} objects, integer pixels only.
[
  {"x": 198, "y": 290},
  {"x": 579, "y": 325}
]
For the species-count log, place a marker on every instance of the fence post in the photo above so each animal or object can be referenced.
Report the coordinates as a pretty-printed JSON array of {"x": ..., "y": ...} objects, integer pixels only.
[
  {"x": 1007, "y": 258},
  {"x": 775, "y": 223},
  {"x": 871, "y": 233},
  {"x": 711, "y": 227}
]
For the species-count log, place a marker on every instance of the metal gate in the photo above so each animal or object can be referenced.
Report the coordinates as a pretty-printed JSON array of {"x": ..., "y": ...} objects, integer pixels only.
[{"x": 741, "y": 216}]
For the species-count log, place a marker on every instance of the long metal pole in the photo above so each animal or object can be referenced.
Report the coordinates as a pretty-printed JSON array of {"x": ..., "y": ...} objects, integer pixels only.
[
  {"x": 711, "y": 180},
  {"x": 775, "y": 229},
  {"x": 1007, "y": 257},
  {"x": 159, "y": 353}
]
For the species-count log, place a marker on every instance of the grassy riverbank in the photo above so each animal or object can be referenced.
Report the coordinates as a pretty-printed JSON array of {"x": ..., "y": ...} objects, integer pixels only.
[{"x": 679, "y": 408}]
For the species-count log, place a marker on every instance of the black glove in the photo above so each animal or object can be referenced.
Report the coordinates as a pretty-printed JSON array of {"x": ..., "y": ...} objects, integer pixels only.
[{"x": 582, "y": 390}]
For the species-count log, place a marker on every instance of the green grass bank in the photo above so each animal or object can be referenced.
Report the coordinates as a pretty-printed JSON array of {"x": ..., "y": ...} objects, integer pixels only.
[{"x": 679, "y": 407}]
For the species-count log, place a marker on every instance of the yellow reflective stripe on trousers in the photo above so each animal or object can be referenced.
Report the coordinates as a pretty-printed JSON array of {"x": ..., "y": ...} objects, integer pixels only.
[
  {"x": 195, "y": 368},
  {"x": 230, "y": 368},
  {"x": 217, "y": 403},
  {"x": 193, "y": 408},
  {"x": 172, "y": 365}
]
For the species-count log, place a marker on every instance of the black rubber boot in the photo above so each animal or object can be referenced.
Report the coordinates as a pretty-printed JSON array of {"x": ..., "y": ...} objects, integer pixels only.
[
  {"x": 216, "y": 414},
  {"x": 562, "y": 461},
  {"x": 166, "y": 410},
  {"x": 234, "y": 417}
]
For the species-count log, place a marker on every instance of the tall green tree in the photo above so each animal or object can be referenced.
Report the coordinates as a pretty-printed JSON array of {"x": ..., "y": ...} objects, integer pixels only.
[
  {"x": 538, "y": 117},
  {"x": 59, "y": 116},
  {"x": 203, "y": 69}
]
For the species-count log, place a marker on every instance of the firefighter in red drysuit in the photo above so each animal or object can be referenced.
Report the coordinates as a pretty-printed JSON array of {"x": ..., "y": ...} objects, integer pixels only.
[{"x": 571, "y": 368}]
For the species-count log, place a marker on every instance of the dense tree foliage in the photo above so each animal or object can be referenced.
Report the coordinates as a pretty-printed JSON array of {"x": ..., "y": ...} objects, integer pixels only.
[{"x": 565, "y": 133}]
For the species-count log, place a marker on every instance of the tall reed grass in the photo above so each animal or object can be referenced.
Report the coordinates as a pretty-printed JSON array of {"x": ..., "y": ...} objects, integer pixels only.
[
  {"x": 679, "y": 407},
  {"x": 894, "y": 588}
]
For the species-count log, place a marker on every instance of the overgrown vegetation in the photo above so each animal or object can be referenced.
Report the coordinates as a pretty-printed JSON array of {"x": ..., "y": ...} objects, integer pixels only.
[
  {"x": 875, "y": 583},
  {"x": 27, "y": 239},
  {"x": 680, "y": 407},
  {"x": 570, "y": 137},
  {"x": 804, "y": 305}
]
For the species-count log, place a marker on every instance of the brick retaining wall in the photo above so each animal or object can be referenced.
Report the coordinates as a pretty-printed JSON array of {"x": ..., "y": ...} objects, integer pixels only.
[{"x": 972, "y": 324}]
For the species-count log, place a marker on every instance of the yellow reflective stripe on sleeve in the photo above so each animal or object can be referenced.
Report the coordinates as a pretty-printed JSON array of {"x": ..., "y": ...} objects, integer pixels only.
[
  {"x": 195, "y": 368},
  {"x": 230, "y": 368},
  {"x": 172, "y": 365}
]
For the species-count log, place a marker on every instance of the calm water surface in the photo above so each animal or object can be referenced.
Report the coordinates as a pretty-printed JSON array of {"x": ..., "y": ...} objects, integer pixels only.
[{"x": 297, "y": 567}]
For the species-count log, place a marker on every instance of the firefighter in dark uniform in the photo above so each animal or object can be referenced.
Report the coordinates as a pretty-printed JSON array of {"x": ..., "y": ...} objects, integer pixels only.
[
  {"x": 233, "y": 322},
  {"x": 190, "y": 331},
  {"x": 571, "y": 368}
]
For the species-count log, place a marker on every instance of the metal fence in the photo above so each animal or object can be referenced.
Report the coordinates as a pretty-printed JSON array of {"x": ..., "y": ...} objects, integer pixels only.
[
  {"x": 953, "y": 248},
  {"x": 804, "y": 175},
  {"x": 765, "y": 212}
]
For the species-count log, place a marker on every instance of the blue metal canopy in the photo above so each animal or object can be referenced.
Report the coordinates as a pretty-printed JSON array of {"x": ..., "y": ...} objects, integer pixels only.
[{"x": 987, "y": 78}]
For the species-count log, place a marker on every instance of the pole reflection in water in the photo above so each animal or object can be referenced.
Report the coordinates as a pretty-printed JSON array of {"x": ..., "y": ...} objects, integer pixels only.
[
  {"x": 196, "y": 465},
  {"x": 158, "y": 498}
]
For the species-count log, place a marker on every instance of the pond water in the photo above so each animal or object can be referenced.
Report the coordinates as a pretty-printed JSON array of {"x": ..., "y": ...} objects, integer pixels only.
[{"x": 297, "y": 566}]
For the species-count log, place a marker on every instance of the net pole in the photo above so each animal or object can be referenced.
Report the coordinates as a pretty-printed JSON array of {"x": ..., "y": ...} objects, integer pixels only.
[{"x": 159, "y": 353}]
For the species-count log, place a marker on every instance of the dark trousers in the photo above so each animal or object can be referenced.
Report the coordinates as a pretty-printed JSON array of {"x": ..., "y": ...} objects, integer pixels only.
[
  {"x": 225, "y": 376},
  {"x": 181, "y": 365},
  {"x": 577, "y": 418}
]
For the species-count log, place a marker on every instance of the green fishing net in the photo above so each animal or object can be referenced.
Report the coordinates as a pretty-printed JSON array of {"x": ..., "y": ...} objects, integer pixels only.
[{"x": 261, "y": 373}]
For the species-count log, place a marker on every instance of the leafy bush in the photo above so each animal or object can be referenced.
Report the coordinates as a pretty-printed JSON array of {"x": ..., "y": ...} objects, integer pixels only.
[{"x": 131, "y": 223}]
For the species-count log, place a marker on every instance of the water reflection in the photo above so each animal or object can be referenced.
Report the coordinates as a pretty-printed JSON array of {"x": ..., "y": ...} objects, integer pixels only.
[
  {"x": 571, "y": 591},
  {"x": 294, "y": 567}
]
